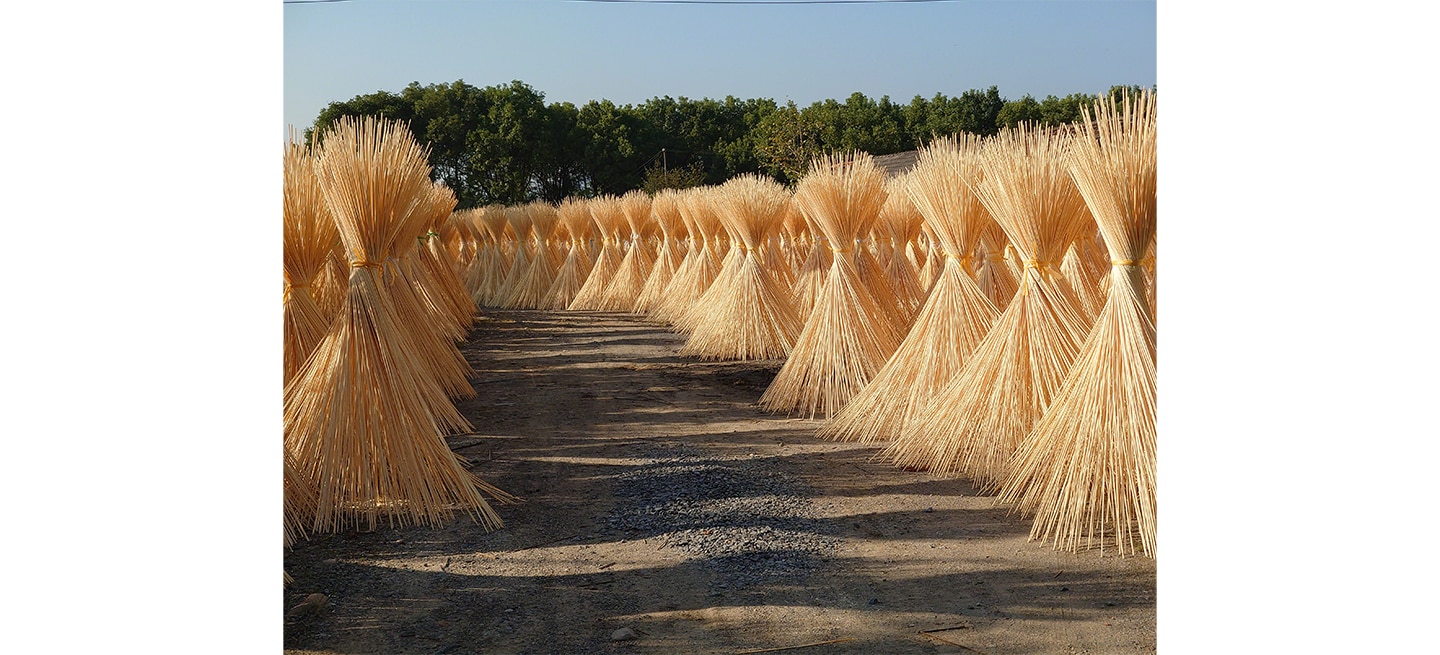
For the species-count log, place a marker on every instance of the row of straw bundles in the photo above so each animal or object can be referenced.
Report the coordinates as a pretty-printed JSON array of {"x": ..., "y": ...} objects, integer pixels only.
[
  {"x": 1062, "y": 423},
  {"x": 1088, "y": 467},
  {"x": 956, "y": 315},
  {"x": 1000, "y": 242},
  {"x": 366, "y": 412}
]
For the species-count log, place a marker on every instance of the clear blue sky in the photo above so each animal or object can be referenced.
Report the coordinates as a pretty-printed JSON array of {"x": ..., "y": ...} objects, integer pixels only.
[{"x": 630, "y": 52}]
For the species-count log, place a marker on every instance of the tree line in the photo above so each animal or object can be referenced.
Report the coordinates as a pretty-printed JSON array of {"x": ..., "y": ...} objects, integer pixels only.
[{"x": 505, "y": 144}]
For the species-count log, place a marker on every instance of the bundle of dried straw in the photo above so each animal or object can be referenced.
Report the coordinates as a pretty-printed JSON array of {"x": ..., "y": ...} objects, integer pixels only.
[
  {"x": 540, "y": 275},
  {"x": 624, "y": 291},
  {"x": 358, "y": 416},
  {"x": 747, "y": 313},
  {"x": 956, "y": 315},
  {"x": 575, "y": 216},
  {"x": 975, "y": 423},
  {"x": 1087, "y": 470},
  {"x": 309, "y": 238},
  {"x": 701, "y": 265},
  {"x": 521, "y": 222},
  {"x": 847, "y": 337},
  {"x": 609, "y": 217},
  {"x": 665, "y": 208}
]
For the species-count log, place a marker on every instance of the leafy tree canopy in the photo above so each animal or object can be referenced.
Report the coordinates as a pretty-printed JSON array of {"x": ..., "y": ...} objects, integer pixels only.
[{"x": 505, "y": 144}]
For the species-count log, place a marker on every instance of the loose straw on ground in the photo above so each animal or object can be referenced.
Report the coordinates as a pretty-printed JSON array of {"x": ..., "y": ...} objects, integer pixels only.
[
  {"x": 747, "y": 314},
  {"x": 956, "y": 315},
  {"x": 356, "y": 416},
  {"x": 1087, "y": 470},
  {"x": 847, "y": 337},
  {"x": 974, "y": 424}
]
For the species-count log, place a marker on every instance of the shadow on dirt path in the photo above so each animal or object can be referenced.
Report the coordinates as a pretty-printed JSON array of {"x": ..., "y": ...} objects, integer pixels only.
[{"x": 658, "y": 497}]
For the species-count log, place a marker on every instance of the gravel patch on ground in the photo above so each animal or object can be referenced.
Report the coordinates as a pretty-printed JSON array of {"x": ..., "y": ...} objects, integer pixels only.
[{"x": 750, "y": 523}]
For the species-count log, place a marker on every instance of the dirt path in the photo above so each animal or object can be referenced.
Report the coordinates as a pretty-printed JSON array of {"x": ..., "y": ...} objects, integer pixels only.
[{"x": 658, "y": 498}]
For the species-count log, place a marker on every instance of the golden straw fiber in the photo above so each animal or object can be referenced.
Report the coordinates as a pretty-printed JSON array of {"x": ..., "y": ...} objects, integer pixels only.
[
  {"x": 748, "y": 313},
  {"x": 847, "y": 337},
  {"x": 331, "y": 283},
  {"x": 309, "y": 238},
  {"x": 300, "y": 500},
  {"x": 359, "y": 415},
  {"x": 1087, "y": 470},
  {"x": 1082, "y": 280},
  {"x": 956, "y": 315},
  {"x": 810, "y": 276},
  {"x": 975, "y": 423},
  {"x": 995, "y": 278}
]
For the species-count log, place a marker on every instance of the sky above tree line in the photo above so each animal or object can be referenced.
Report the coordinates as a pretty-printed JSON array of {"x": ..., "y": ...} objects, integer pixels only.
[{"x": 628, "y": 52}]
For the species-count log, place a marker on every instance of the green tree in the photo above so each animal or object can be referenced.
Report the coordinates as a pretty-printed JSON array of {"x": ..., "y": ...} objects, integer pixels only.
[
  {"x": 1015, "y": 111},
  {"x": 973, "y": 111},
  {"x": 860, "y": 124},
  {"x": 679, "y": 177},
  {"x": 1063, "y": 111},
  {"x": 613, "y": 162},
  {"x": 786, "y": 141}
]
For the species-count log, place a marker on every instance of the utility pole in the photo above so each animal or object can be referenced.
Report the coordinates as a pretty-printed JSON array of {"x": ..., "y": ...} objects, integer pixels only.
[{"x": 664, "y": 167}]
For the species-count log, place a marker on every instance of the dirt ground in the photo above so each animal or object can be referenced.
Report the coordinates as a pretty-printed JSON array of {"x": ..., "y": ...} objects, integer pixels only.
[{"x": 574, "y": 405}]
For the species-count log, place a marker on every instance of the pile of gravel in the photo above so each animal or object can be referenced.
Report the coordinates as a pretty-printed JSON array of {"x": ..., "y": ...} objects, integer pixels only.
[{"x": 748, "y": 521}]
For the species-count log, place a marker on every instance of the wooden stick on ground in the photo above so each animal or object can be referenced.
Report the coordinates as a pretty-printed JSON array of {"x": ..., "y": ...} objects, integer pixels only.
[{"x": 780, "y": 648}]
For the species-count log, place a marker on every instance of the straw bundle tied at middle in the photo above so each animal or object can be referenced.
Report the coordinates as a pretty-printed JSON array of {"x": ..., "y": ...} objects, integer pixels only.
[
  {"x": 975, "y": 423},
  {"x": 624, "y": 289},
  {"x": 666, "y": 209},
  {"x": 848, "y": 336},
  {"x": 747, "y": 313},
  {"x": 1087, "y": 470},
  {"x": 609, "y": 217},
  {"x": 359, "y": 417},
  {"x": 956, "y": 315},
  {"x": 575, "y": 217},
  {"x": 310, "y": 237}
]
